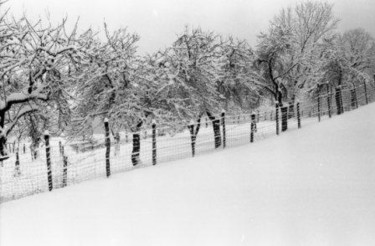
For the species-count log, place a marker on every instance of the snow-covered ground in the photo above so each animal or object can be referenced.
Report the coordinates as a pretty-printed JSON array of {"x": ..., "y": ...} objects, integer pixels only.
[
  {"x": 314, "y": 186},
  {"x": 32, "y": 175}
]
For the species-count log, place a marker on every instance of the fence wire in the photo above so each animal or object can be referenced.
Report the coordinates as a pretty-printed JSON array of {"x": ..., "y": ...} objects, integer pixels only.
[{"x": 73, "y": 163}]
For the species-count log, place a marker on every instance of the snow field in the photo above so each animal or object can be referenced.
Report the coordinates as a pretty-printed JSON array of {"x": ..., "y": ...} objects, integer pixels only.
[{"x": 309, "y": 187}]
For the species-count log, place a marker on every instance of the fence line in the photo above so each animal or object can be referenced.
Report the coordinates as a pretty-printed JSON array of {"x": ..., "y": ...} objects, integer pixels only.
[{"x": 60, "y": 164}]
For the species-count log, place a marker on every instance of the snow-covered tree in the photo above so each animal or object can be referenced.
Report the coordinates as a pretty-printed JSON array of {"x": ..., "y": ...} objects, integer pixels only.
[
  {"x": 235, "y": 82},
  {"x": 288, "y": 54},
  {"x": 196, "y": 64},
  {"x": 35, "y": 75},
  {"x": 129, "y": 90},
  {"x": 358, "y": 49},
  {"x": 346, "y": 62}
]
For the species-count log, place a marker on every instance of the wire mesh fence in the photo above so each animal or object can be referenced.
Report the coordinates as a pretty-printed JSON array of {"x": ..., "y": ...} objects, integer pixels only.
[{"x": 27, "y": 172}]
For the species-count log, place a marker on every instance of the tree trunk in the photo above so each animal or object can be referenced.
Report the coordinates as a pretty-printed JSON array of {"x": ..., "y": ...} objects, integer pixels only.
[
  {"x": 339, "y": 104},
  {"x": 2, "y": 148},
  {"x": 194, "y": 129},
  {"x": 216, "y": 128},
  {"x": 217, "y": 134},
  {"x": 329, "y": 102},
  {"x": 136, "y": 144},
  {"x": 193, "y": 138},
  {"x": 3, "y": 154},
  {"x": 354, "y": 101},
  {"x": 136, "y": 148}
]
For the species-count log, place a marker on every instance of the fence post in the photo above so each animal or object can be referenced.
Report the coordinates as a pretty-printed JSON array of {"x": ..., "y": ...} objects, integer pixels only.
[
  {"x": 24, "y": 148},
  {"x": 339, "y": 102},
  {"x": 329, "y": 95},
  {"x": 298, "y": 115},
  {"x": 48, "y": 159},
  {"x": 252, "y": 127},
  {"x": 319, "y": 110},
  {"x": 364, "y": 86},
  {"x": 284, "y": 118},
  {"x": 65, "y": 166},
  {"x": 277, "y": 119},
  {"x": 354, "y": 98},
  {"x": 153, "y": 142},
  {"x": 192, "y": 135},
  {"x": 108, "y": 148},
  {"x": 224, "y": 130},
  {"x": 65, "y": 171},
  {"x": 17, "y": 166}
]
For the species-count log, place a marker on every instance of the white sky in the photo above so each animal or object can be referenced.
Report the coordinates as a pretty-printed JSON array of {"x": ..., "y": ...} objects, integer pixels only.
[{"x": 159, "y": 21}]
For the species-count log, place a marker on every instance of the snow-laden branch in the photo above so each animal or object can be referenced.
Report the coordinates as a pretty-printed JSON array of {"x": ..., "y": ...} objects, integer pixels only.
[
  {"x": 25, "y": 110},
  {"x": 21, "y": 97}
]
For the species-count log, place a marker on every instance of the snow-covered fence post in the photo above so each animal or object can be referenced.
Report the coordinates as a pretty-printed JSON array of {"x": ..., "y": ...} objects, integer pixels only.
[
  {"x": 298, "y": 115},
  {"x": 65, "y": 171},
  {"x": 224, "y": 131},
  {"x": 284, "y": 118},
  {"x": 319, "y": 110},
  {"x": 206, "y": 122},
  {"x": 136, "y": 139},
  {"x": 153, "y": 142},
  {"x": 252, "y": 127},
  {"x": 126, "y": 137},
  {"x": 193, "y": 137},
  {"x": 24, "y": 148},
  {"x": 277, "y": 119},
  {"x": 108, "y": 148},
  {"x": 17, "y": 165},
  {"x": 48, "y": 159},
  {"x": 65, "y": 166},
  {"x": 258, "y": 116},
  {"x": 365, "y": 87}
]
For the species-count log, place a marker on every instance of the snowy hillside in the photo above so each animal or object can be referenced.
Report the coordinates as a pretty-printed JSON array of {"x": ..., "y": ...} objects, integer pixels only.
[{"x": 313, "y": 186}]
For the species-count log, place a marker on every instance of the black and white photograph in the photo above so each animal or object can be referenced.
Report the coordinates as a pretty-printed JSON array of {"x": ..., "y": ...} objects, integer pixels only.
[{"x": 187, "y": 123}]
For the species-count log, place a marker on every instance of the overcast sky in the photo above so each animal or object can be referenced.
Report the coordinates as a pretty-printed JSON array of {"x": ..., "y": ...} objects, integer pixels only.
[{"x": 158, "y": 21}]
